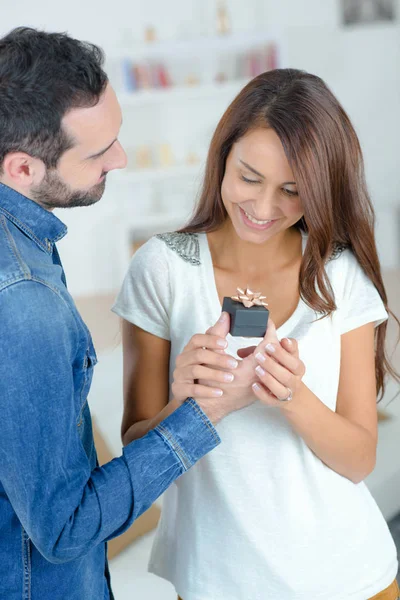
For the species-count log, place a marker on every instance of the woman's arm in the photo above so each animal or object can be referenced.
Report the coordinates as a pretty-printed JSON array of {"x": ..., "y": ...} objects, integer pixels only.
[
  {"x": 145, "y": 381},
  {"x": 146, "y": 377},
  {"x": 344, "y": 440}
]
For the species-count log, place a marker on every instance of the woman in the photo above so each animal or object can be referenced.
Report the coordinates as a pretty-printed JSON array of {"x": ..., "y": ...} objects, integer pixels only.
[{"x": 279, "y": 510}]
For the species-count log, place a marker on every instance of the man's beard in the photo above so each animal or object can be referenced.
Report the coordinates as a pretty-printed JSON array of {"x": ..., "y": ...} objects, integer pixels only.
[{"x": 54, "y": 193}]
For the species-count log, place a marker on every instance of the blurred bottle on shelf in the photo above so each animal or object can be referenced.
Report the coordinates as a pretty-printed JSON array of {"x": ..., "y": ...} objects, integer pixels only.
[
  {"x": 223, "y": 21},
  {"x": 165, "y": 156},
  {"x": 150, "y": 34}
]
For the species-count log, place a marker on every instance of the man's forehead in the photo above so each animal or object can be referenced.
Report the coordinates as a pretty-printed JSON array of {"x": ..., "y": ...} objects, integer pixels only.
[{"x": 99, "y": 121}]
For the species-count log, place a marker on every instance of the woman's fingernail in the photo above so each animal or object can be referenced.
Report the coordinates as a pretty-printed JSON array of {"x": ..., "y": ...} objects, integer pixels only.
[
  {"x": 256, "y": 387},
  {"x": 222, "y": 317},
  {"x": 217, "y": 392},
  {"x": 288, "y": 341},
  {"x": 260, "y": 357},
  {"x": 270, "y": 348},
  {"x": 260, "y": 371},
  {"x": 229, "y": 377},
  {"x": 222, "y": 343},
  {"x": 233, "y": 364}
]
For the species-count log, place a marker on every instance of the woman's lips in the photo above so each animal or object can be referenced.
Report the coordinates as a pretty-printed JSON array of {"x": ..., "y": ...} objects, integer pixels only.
[{"x": 252, "y": 225}]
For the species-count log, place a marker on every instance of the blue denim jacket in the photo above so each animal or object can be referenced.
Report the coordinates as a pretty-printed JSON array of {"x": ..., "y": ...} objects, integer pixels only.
[{"x": 57, "y": 506}]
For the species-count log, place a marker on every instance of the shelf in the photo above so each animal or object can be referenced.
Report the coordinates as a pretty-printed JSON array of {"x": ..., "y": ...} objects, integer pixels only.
[
  {"x": 202, "y": 45},
  {"x": 143, "y": 175},
  {"x": 196, "y": 92},
  {"x": 160, "y": 222}
]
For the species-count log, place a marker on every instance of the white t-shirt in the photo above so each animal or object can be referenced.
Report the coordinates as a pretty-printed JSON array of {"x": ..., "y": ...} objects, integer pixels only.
[{"x": 261, "y": 517}]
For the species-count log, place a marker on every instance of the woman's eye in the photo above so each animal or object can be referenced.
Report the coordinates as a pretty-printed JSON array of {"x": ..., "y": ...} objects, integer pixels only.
[
  {"x": 290, "y": 192},
  {"x": 249, "y": 180}
]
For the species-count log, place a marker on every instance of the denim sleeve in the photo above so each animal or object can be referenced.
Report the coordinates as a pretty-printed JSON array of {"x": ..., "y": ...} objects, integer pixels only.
[{"x": 65, "y": 507}]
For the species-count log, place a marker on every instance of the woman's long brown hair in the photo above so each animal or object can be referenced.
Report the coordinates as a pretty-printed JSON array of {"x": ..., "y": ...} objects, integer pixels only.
[{"x": 324, "y": 153}]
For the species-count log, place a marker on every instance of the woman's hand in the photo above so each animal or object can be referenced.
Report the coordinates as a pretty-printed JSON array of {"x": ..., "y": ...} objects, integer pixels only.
[
  {"x": 240, "y": 389},
  {"x": 279, "y": 372},
  {"x": 204, "y": 359}
]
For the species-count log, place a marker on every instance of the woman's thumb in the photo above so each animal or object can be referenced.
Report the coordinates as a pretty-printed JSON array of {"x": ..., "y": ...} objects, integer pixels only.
[{"x": 222, "y": 326}]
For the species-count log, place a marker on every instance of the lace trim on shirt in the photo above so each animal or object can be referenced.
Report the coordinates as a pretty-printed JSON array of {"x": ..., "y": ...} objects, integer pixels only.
[
  {"x": 337, "y": 251},
  {"x": 186, "y": 245}
]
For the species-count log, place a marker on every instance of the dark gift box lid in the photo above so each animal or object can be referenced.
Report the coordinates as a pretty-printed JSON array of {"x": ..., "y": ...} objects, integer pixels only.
[{"x": 242, "y": 316}]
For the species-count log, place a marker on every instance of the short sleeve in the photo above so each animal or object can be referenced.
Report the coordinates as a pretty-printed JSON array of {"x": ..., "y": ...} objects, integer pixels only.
[
  {"x": 359, "y": 301},
  {"x": 145, "y": 296}
]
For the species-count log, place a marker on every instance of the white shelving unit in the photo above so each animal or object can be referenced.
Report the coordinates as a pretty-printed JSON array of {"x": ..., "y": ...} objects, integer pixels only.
[
  {"x": 181, "y": 117},
  {"x": 136, "y": 176},
  {"x": 178, "y": 93},
  {"x": 238, "y": 42}
]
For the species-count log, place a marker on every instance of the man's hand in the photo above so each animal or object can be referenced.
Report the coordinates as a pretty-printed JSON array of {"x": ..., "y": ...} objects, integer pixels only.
[
  {"x": 204, "y": 359},
  {"x": 239, "y": 393}
]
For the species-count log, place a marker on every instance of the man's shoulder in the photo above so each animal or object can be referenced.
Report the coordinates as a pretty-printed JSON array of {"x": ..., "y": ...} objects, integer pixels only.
[{"x": 31, "y": 300}]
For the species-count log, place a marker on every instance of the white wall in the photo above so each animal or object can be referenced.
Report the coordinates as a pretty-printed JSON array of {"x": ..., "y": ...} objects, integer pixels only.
[{"x": 361, "y": 65}]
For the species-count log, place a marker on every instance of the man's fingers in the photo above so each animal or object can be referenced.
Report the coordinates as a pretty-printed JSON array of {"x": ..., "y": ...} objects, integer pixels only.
[
  {"x": 204, "y": 356},
  {"x": 196, "y": 372},
  {"x": 181, "y": 391},
  {"x": 204, "y": 340}
]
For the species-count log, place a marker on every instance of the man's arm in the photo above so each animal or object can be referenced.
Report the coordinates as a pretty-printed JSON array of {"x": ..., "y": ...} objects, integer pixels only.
[{"x": 65, "y": 508}]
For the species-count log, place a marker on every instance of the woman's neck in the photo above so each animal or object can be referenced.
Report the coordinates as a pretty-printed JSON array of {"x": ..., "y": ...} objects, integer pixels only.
[{"x": 230, "y": 253}]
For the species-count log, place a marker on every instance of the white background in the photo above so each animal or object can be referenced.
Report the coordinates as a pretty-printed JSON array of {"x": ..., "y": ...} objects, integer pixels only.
[{"x": 361, "y": 65}]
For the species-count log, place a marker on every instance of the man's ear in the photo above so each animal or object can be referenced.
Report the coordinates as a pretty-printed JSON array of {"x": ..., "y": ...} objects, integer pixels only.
[{"x": 22, "y": 172}]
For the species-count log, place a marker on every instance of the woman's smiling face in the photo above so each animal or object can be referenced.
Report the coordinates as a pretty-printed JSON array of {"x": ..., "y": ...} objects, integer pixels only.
[{"x": 258, "y": 189}]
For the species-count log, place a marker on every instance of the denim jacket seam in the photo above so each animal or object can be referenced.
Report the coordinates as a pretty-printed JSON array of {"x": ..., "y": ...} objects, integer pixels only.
[
  {"x": 13, "y": 248},
  {"x": 203, "y": 417},
  {"x": 175, "y": 446},
  {"x": 12, "y": 281},
  {"x": 82, "y": 408},
  {"x": 26, "y": 559},
  {"x": 53, "y": 289},
  {"x": 83, "y": 401},
  {"x": 25, "y": 229}
]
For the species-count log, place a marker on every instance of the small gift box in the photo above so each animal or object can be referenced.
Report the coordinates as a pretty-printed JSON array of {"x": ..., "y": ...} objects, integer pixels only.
[{"x": 249, "y": 313}]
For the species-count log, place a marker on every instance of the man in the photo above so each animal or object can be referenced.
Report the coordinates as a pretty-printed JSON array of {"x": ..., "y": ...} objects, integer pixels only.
[{"x": 59, "y": 124}]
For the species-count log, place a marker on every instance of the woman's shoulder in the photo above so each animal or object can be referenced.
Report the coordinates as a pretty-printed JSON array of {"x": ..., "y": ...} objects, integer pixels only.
[
  {"x": 184, "y": 246},
  {"x": 342, "y": 260},
  {"x": 167, "y": 256}
]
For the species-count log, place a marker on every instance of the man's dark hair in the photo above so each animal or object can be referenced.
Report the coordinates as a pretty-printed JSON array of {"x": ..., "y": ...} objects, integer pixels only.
[{"x": 42, "y": 77}]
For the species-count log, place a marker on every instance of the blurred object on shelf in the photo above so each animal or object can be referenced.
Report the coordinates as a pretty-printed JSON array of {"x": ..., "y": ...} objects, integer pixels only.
[
  {"x": 200, "y": 62},
  {"x": 143, "y": 74},
  {"x": 128, "y": 75},
  {"x": 220, "y": 77},
  {"x": 192, "y": 158},
  {"x": 223, "y": 21},
  {"x": 271, "y": 57},
  {"x": 150, "y": 34},
  {"x": 166, "y": 157},
  {"x": 191, "y": 80},
  {"x": 163, "y": 78},
  {"x": 144, "y": 157}
]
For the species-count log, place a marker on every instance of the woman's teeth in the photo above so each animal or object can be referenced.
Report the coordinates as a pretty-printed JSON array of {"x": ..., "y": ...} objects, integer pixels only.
[{"x": 256, "y": 221}]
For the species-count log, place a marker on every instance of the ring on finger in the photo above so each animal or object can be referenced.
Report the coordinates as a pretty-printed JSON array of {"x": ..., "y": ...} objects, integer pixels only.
[{"x": 288, "y": 397}]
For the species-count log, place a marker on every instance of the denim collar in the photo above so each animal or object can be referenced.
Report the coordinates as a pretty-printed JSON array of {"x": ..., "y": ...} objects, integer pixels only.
[{"x": 40, "y": 225}]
